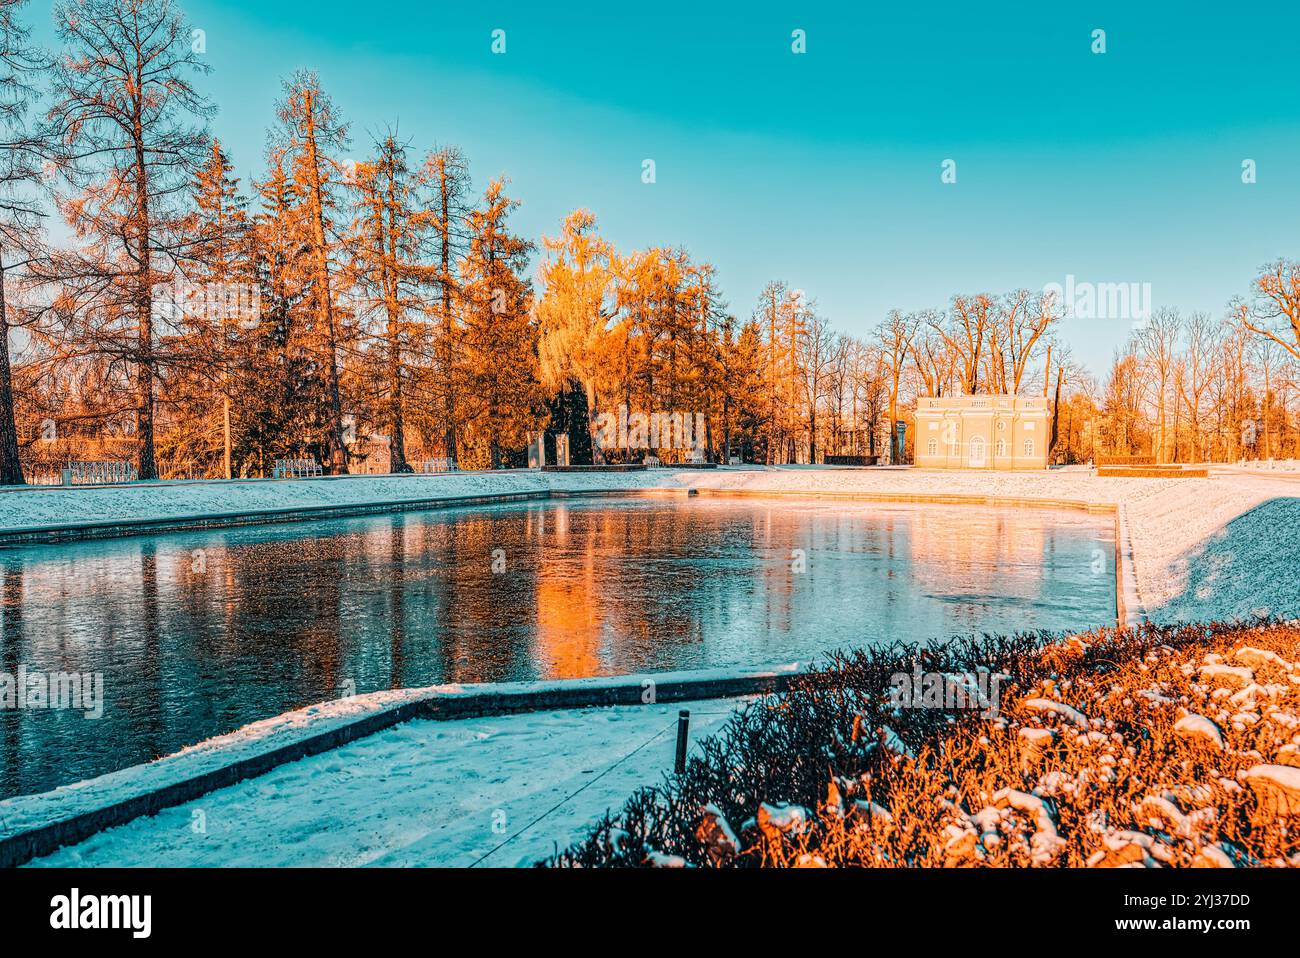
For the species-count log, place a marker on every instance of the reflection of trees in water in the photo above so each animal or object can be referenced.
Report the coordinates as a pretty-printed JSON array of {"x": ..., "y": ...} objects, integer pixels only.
[
  {"x": 149, "y": 688},
  {"x": 481, "y": 632},
  {"x": 979, "y": 553},
  {"x": 279, "y": 617},
  {"x": 11, "y": 656},
  {"x": 397, "y": 602},
  {"x": 634, "y": 588}
]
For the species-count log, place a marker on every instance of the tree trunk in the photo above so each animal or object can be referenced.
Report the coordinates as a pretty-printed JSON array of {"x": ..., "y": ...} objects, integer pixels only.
[
  {"x": 11, "y": 471},
  {"x": 1056, "y": 413},
  {"x": 448, "y": 324},
  {"x": 388, "y": 258},
  {"x": 597, "y": 455},
  {"x": 338, "y": 457},
  {"x": 144, "y": 312}
]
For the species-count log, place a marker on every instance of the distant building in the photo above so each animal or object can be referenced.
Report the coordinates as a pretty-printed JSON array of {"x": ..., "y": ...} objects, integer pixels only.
[{"x": 983, "y": 432}]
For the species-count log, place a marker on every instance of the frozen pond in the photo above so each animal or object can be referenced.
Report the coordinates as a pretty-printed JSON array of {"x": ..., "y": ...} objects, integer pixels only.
[{"x": 196, "y": 634}]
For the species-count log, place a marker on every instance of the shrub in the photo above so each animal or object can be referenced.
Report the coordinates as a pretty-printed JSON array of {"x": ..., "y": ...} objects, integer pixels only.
[{"x": 1087, "y": 762}]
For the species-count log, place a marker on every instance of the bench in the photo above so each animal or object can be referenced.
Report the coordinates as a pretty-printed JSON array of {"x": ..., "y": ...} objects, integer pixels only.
[
  {"x": 98, "y": 473},
  {"x": 296, "y": 469},
  {"x": 438, "y": 464}
]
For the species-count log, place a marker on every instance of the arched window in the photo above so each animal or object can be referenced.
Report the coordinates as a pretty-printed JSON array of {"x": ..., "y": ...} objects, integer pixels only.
[
  {"x": 1029, "y": 448},
  {"x": 932, "y": 447},
  {"x": 1002, "y": 447}
]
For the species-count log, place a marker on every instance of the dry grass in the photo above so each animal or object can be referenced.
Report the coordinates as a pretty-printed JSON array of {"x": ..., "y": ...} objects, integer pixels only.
[{"x": 837, "y": 774}]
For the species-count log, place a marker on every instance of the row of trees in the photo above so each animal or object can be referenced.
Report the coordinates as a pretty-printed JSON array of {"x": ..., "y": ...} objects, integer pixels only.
[
  {"x": 373, "y": 312},
  {"x": 1196, "y": 389},
  {"x": 215, "y": 330}
]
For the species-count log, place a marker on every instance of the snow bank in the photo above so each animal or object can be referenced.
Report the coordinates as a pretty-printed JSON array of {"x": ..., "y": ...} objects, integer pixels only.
[
  {"x": 26, "y": 812},
  {"x": 423, "y": 793}
]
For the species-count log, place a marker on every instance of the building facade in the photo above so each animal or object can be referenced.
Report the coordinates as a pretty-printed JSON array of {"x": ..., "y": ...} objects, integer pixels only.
[{"x": 983, "y": 432}]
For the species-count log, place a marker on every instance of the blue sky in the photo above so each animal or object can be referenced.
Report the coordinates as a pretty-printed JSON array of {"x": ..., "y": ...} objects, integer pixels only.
[{"x": 823, "y": 169}]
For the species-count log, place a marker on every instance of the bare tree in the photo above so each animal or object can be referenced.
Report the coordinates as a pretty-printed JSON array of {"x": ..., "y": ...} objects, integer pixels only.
[
  {"x": 1196, "y": 368},
  {"x": 1157, "y": 343},
  {"x": 21, "y": 156},
  {"x": 124, "y": 115},
  {"x": 896, "y": 335},
  {"x": 966, "y": 334},
  {"x": 1019, "y": 321},
  {"x": 1274, "y": 311}
]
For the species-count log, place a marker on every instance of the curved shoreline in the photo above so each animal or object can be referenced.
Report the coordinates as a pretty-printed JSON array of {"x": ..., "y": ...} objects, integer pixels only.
[{"x": 31, "y": 823}]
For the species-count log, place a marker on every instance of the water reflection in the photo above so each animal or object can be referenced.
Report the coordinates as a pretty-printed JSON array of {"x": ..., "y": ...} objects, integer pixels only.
[{"x": 197, "y": 634}]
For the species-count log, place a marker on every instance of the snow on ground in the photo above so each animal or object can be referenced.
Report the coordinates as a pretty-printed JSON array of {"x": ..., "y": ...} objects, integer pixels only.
[
  {"x": 422, "y": 793},
  {"x": 25, "y": 812}
]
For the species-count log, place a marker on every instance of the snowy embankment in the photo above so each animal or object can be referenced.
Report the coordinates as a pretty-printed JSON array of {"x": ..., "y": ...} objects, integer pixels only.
[
  {"x": 186, "y": 769},
  {"x": 424, "y": 793},
  {"x": 1215, "y": 548}
]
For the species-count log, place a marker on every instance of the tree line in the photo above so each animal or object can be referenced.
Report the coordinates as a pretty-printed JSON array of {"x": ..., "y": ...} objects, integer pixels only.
[{"x": 372, "y": 313}]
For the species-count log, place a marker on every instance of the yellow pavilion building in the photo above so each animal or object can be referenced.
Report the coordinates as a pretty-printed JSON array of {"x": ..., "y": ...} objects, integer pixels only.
[{"x": 983, "y": 432}]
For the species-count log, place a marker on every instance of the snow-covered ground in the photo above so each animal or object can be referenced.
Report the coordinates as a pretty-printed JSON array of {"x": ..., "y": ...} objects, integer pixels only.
[
  {"x": 422, "y": 793},
  {"x": 425, "y": 793}
]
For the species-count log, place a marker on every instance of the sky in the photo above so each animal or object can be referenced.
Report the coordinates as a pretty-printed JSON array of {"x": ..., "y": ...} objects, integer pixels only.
[{"x": 823, "y": 168}]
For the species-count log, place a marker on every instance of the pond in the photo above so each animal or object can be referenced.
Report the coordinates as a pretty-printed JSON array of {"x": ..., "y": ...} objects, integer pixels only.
[{"x": 196, "y": 634}]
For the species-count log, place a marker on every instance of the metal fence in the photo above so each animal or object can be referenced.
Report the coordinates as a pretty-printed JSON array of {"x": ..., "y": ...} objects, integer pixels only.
[
  {"x": 296, "y": 469},
  {"x": 101, "y": 472}
]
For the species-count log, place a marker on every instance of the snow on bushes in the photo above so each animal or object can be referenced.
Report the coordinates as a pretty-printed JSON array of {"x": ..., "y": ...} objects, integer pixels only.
[{"x": 1150, "y": 747}]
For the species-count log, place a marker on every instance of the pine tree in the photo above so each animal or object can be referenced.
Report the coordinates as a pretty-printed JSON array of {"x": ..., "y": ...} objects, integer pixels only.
[
  {"x": 312, "y": 135},
  {"x": 392, "y": 234},
  {"x": 279, "y": 390},
  {"x": 221, "y": 271},
  {"x": 500, "y": 339}
]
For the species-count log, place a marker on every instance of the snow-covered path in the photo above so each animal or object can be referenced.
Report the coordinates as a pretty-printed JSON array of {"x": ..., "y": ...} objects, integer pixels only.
[{"x": 422, "y": 793}]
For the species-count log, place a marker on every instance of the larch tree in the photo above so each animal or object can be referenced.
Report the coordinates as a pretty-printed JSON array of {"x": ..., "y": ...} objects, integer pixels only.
[
  {"x": 219, "y": 264},
  {"x": 499, "y": 337},
  {"x": 766, "y": 314},
  {"x": 818, "y": 355},
  {"x": 21, "y": 156},
  {"x": 447, "y": 174},
  {"x": 793, "y": 316},
  {"x": 391, "y": 237},
  {"x": 129, "y": 124}
]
